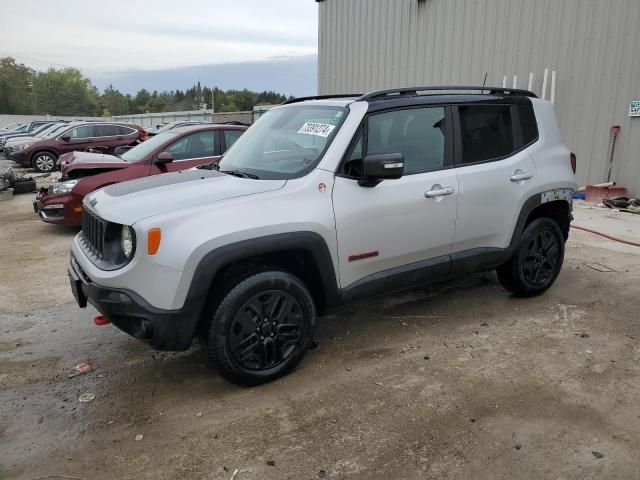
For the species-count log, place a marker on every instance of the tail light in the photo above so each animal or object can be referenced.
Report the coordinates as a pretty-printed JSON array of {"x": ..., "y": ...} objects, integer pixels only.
[
  {"x": 143, "y": 135},
  {"x": 574, "y": 162}
]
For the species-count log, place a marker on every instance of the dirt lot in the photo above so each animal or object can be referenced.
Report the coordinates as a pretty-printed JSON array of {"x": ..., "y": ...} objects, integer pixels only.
[{"x": 449, "y": 382}]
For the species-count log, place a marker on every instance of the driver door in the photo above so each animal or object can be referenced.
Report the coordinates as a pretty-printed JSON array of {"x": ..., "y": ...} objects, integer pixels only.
[
  {"x": 401, "y": 229},
  {"x": 198, "y": 148}
]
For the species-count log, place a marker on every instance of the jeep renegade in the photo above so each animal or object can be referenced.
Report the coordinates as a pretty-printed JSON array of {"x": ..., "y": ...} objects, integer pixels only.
[{"x": 325, "y": 201}]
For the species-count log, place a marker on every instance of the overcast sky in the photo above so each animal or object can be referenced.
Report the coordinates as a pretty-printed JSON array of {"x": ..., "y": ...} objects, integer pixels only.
[{"x": 106, "y": 36}]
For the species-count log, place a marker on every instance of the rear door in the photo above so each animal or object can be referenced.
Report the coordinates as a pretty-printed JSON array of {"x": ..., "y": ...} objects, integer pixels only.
[
  {"x": 496, "y": 175},
  {"x": 393, "y": 228},
  {"x": 198, "y": 148}
]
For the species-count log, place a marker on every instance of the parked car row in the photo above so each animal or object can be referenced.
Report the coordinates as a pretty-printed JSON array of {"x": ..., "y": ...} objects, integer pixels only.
[{"x": 83, "y": 172}]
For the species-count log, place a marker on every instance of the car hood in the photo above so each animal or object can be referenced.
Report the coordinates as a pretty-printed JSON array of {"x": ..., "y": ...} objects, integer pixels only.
[
  {"x": 131, "y": 201},
  {"x": 21, "y": 140},
  {"x": 89, "y": 160}
]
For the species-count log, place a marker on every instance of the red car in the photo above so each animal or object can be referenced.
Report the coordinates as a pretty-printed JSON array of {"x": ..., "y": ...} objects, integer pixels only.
[
  {"x": 102, "y": 136},
  {"x": 84, "y": 172}
]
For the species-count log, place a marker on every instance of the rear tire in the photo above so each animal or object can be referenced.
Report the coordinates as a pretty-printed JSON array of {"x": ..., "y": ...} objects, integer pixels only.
[
  {"x": 44, "y": 162},
  {"x": 262, "y": 328},
  {"x": 536, "y": 261}
]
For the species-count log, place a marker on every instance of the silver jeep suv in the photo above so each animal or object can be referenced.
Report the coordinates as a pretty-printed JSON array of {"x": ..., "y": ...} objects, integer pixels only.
[{"x": 325, "y": 201}]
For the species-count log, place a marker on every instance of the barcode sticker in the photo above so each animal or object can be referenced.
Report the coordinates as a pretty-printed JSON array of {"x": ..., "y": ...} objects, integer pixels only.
[{"x": 317, "y": 129}]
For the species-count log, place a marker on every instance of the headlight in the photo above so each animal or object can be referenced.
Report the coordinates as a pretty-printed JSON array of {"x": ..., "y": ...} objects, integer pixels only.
[
  {"x": 22, "y": 146},
  {"x": 62, "y": 187},
  {"x": 126, "y": 241}
]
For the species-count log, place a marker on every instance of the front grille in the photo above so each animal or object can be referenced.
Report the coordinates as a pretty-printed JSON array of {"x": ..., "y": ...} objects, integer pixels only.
[{"x": 93, "y": 233}]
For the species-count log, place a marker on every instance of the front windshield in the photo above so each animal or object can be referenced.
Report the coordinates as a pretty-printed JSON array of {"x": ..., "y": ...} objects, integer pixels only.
[
  {"x": 143, "y": 149},
  {"x": 53, "y": 130},
  {"x": 285, "y": 142}
]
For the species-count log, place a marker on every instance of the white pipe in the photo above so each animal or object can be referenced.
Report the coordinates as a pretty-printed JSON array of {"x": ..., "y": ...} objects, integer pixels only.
[
  {"x": 553, "y": 87},
  {"x": 504, "y": 82},
  {"x": 544, "y": 83},
  {"x": 515, "y": 81},
  {"x": 530, "y": 87}
]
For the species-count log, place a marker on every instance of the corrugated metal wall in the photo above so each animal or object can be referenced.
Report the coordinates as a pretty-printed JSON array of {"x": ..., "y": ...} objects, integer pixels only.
[{"x": 594, "y": 45}]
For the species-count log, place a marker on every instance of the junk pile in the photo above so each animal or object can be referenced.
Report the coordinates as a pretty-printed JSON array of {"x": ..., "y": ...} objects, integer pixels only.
[
  {"x": 609, "y": 195},
  {"x": 11, "y": 184}
]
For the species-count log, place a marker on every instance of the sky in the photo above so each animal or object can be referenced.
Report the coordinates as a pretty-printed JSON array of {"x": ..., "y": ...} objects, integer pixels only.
[{"x": 103, "y": 37}]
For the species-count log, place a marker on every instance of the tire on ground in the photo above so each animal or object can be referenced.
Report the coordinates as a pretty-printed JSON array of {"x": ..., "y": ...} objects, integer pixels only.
[
  {"x": 261, "y": 329},
  {"x": 24, "y": 186},
  {"x": 536, "y": 261}
]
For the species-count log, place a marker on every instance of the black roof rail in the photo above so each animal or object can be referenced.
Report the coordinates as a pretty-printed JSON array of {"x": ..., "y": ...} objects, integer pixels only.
[
  {"x": 320, "y": 97},
  {"x": 394, "y": 92}
]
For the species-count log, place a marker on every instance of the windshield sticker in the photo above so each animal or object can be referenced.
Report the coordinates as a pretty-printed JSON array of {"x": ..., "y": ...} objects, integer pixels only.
[{"x": 317, "y": 129}]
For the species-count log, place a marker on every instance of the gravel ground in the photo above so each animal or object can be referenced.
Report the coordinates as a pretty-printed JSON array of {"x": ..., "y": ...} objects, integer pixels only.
[{"x": 454, "y": 381}]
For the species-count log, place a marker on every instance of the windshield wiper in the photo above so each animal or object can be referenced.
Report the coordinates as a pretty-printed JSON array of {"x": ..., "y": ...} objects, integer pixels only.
[{"x": 238, "y": 173}]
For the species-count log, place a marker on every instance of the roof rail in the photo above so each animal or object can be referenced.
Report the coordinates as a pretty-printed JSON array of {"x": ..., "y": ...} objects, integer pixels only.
[
  {"x": 414, "y": 91},
  {"x": 320, "y": 97}
]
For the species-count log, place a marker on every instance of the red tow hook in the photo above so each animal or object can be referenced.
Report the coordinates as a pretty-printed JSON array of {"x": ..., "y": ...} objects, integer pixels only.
[{"x": 101, "y": 320}]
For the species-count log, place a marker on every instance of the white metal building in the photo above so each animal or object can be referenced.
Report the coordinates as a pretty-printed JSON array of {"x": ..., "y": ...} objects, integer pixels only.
[{"x": 593, "y": 46}]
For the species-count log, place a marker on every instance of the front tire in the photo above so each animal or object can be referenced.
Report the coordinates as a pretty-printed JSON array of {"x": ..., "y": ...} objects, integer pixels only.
[
  {"x": 262, "y": 328},
  {"x": 536, "y": 261},
  {"x": 44, "y": 162}
]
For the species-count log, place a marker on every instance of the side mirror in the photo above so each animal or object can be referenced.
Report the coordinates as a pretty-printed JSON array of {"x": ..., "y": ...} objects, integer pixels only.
[
  {"x": 65, "y": 138},
  {"x": 164, "y": 157},
  {"x": 387, "y": 166}
]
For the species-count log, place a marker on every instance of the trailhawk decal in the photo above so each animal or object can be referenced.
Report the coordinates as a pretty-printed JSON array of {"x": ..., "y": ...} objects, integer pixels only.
[
  {"x": 317, "y": 129},
  {"x": 362, "y": 256}
]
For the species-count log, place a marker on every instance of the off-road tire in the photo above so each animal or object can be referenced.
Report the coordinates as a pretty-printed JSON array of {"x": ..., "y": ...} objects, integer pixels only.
[
  {"x": 39, "y": 163},
  {"x": 536, "y": 261},
  {"x": 251, "y": 319},
  {"x": 23, "y": 186}
]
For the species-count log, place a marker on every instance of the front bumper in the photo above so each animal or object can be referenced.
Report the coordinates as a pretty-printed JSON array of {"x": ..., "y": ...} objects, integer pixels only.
[
  {"x": 65, "y": 209},
  {"x": 171, "y": 330},
  {"x": 23, "y": 157}
]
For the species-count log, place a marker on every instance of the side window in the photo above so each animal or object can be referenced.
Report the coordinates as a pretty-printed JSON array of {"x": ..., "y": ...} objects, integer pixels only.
[
  {"x": 417, "y": 133},
  {"x": 85, "y": 131},
  {"x": 230, "y": 137},
  {"x": 106, "y": 131},
  {"x": 528, "y": 124},
  {"x": 486, "y": 132},
  {"x": 201, "y": 144},
  {"x": 124, "y": 130}
]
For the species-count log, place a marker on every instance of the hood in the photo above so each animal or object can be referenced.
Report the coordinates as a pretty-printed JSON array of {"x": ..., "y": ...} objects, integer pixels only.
[
  {"x": 21, "y": 140},
  {"x": 89, "y": 160},
  {"x": 129, "y": 202}
]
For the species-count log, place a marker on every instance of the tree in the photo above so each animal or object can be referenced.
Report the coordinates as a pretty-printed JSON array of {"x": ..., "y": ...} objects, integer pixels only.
[
  {"x": 64, "y": 92},
  {"x": 16, "y": 87},
  {"x": 114, "y": 101}
]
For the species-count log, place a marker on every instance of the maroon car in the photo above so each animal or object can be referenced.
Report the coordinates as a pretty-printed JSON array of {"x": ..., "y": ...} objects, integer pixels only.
[
  {"x": 84, "y": 172},
  {"x": 80, "y": 136}
]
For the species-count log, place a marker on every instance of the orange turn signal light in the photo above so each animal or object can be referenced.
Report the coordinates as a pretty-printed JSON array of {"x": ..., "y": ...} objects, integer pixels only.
[
  {"x": 77, "y": 209},
  {"x": 153, "y": 240}
]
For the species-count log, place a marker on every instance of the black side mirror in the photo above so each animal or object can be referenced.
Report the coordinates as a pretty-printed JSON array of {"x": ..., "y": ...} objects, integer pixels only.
[
  {"x": 65, "y": 138},
  {"x": 387, "y": 166},
  {"x": 164, "y": 157}
]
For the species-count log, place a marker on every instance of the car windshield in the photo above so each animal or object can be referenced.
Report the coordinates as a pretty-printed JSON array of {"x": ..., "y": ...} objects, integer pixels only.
[
  {"x": 284, "y": 143},
  {"x": 53, "y": 130},
  {"x": 143, "y": 149}
]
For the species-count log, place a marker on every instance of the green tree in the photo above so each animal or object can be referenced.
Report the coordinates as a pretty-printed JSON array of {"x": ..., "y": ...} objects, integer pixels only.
[
  {"x": 64, "y": 92},
  {"x": 114, "y": 101},
  {"x": 16, "y": 87}
]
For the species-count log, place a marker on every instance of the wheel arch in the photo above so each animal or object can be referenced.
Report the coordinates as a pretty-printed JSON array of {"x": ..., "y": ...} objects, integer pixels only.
[
  {"x": 304, "y": 254},
  {"x": 558, "y": 210}
]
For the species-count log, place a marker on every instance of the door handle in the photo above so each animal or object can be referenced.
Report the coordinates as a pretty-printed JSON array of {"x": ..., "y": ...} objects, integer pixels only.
[
  {"x": 519, "y": 176},
  {"x": 438, "y": 191}
]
